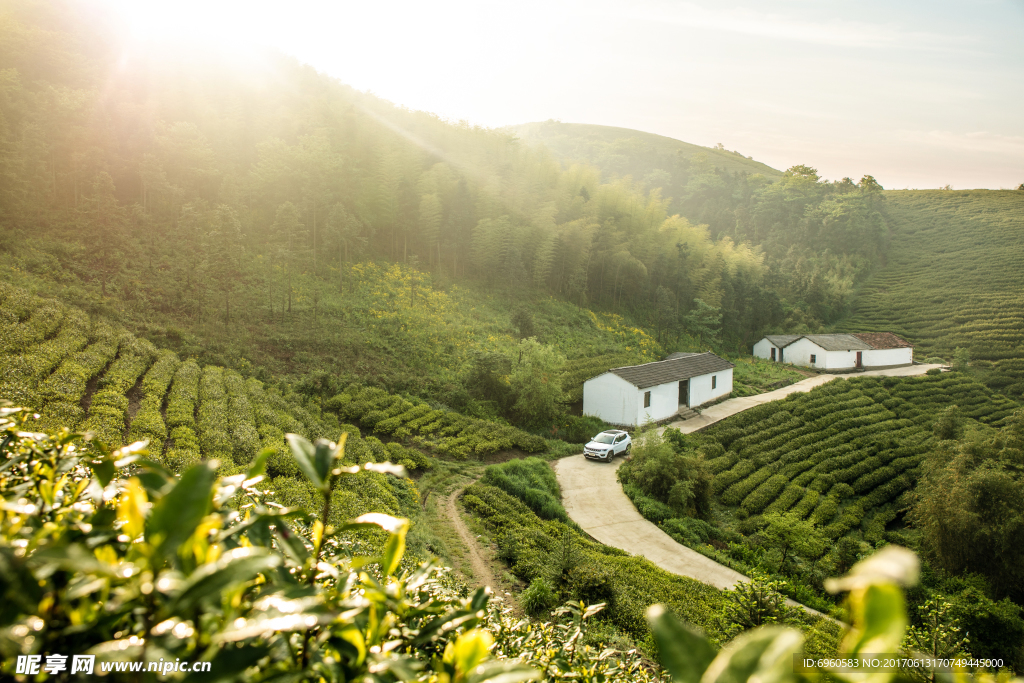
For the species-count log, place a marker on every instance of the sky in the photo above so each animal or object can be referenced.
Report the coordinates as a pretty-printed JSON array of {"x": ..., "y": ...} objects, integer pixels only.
[{"x": 919, "y": 94}]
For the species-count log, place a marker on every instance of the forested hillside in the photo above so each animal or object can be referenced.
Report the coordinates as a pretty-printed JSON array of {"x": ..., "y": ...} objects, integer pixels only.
[
  {"x": 191, "y": 192},
  {"x": 819, "y": 238},
  {"x": 954, "y": 277}
]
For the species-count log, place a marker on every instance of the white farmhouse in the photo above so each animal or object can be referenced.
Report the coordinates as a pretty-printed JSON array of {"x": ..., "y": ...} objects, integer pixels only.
[
  {"x": 862, "y": 350},
  {"x": 652, "y": 392}
]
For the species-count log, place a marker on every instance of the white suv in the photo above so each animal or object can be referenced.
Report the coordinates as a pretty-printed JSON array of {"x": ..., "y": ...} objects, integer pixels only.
[{"x": 607, "y": 445}]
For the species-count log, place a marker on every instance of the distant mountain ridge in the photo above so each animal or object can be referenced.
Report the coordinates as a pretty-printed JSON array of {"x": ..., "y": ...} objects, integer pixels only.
[{"x": 624, "y": 151}]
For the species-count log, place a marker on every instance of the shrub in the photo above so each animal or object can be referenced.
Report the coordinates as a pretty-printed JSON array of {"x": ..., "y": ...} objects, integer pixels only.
[
  {"x": 184, "y": 395},
  {"x": 538, "y": 597}
]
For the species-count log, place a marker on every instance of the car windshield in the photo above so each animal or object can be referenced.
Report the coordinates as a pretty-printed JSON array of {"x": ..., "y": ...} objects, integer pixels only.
[{"x": 604, "y": 438}]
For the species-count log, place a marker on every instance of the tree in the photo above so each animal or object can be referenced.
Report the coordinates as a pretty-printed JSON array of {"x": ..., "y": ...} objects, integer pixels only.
[
  {"x": 755, "y": 603},
  {"x": 961, "y": 359},
  {"x": 950, "y": 424},
  {"x": 522, "y": 319},
  {"x": 536, "y": 384},
  {"x": 345, "y": 233},
  {"x": 288, "y": 237},
  {"x": 664, "y": 468},
  {"x": 969, "y": 507},
  {"x": 103, "y": 223},
  {"x": 937, "y": 636},
  {"x": 704, "y": 322},
  {"x": 224, "y": 254},
  {"x": 788, "y": 533}
]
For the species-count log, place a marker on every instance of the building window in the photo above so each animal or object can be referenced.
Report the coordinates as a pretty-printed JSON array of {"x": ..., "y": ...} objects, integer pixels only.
[
  {"x": 714, "y": 381},
  {"x": 814, "y": 358},
  {"x": 647, "y": 399}
]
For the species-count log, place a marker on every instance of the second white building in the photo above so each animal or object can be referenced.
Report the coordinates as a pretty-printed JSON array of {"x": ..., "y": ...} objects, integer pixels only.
[
  {"x": 652, "y": 392},
  {"x": 862, "y": 350}
]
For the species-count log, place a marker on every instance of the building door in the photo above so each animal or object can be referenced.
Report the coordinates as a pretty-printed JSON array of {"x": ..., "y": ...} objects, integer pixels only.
[
  {"x": 780, "y": 355},
  {"x": 773, "y": 354},
  {"x": 860, "y": 360},
  {"x": 684, "y": 393}
]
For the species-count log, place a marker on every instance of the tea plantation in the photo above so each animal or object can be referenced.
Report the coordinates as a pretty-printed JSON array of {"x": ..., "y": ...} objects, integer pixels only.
[
  {"x": 86, "y": 374},
  {"x": 842, "y": 453},
  {"x": 954, "y": 277}
]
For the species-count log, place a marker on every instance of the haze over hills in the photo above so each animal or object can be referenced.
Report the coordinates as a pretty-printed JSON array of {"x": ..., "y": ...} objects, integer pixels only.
[{"x": 650, "y": 159}]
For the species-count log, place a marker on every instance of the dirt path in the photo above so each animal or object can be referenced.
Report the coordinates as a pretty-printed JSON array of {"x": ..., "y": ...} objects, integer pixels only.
[
  {"x": 481, "y": 571},
  {"x": 720, "y": 411}
]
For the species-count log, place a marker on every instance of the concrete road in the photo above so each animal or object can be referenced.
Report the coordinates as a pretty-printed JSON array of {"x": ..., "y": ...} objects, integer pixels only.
[
  {"x": 720, "y": 411},
  {"x": 593, "y": 498}
]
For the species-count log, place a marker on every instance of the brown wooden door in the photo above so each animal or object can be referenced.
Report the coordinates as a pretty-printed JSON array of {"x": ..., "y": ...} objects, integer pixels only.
[{"x": 860, "y": 359}]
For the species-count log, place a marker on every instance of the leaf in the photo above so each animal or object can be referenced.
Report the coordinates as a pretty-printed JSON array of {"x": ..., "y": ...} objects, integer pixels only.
[
  {"x": 682, "y": 650},
  {"x": 103, "y": 470},
  {"x": 327, "y": 453},
  {"x": 879, "y": 620},
  {"x": 175, "y": 516},
  {"x": 764, "y": 654},
  {"x": 291, "y": 543},
  {"x": 386, "y": 468},
  {"x": 254, "y": 628},
  {"x": 304, "y": 454},
  {"x": 393, "y": 552},
  {"x": 371, "y": 519},
  {"x": 132, "y": 508},
  {"x": 259, "y": 465},
  {"x": 469, "y": 650},
  {"x": 505, "y": 671},
  {"x": 234, "y": 567}
]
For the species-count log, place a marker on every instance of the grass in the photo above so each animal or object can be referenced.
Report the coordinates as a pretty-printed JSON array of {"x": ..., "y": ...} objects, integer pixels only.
[{"x": 756, "y": 376}]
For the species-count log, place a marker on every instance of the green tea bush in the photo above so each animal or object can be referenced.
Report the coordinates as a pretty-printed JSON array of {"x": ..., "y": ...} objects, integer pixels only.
[
  {"x": 109, "y": 406},
  {"x": 184, "y": 396},
  {"x": 213, "y": 415},
  {"x": 275, "y": 596},
  {"x": 17, "y": 336},
  {"x": 245, "y": 439},
  {"x": 148, "y": 423}
]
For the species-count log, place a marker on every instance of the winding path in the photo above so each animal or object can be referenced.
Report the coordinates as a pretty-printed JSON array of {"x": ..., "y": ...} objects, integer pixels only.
[{"x": 594, "y": 499}]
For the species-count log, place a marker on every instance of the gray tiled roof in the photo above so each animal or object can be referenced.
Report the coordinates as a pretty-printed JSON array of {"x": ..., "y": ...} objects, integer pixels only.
[
  {"x": 839, "y": 342},
  {"x": 781, "y": 340},
  {"x": 829, "y": 342},
  {"x": 672, "y": 370}
]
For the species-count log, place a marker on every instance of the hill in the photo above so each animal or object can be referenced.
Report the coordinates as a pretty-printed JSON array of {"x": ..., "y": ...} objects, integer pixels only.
[
  {"x": 953, "y": 277},
  {"x": 647, "y": 157}
]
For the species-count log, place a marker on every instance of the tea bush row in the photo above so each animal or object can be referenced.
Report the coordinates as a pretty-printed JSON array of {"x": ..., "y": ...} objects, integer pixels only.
[
  {"x": 441, "y": 431},
  {"x": 60, "y": 394},
  {"x": 148, "y": 423}
]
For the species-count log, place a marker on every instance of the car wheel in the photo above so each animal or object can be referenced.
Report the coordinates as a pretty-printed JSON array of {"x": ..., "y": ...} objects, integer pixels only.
[
  {"x": 610, "y": 456},
  {"x": 628, "y": 446}
]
